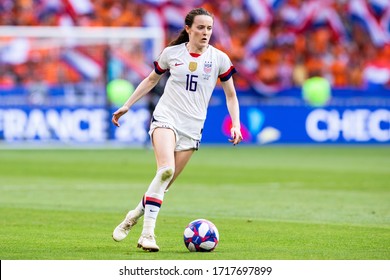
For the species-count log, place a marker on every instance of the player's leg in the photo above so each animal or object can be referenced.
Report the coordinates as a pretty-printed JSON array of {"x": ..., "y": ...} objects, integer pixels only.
[
  {"x": 131, "y": 219},
  {"x": 184, "y": 149},
  {"x": 164, "y": 141},
  {"x": 164, "y": 145},
  {"x": 181, "y": 160}
]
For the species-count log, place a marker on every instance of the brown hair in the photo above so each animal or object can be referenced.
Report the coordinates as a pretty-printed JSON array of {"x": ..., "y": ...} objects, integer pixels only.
[{"x": 189, "y": 20}]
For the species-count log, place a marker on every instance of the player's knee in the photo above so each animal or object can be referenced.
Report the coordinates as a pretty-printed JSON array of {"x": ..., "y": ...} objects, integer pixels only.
[{"x": 166, "y": 173}]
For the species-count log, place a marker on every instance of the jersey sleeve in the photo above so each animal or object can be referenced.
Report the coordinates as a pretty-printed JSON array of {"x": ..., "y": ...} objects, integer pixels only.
[
  {"x": 226, "y": 69},
  {"x": 161, "y": 64}
]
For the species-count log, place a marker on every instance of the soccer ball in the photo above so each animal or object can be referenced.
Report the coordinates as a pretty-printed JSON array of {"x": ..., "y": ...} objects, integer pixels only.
[{"x": 201, "y": 236}]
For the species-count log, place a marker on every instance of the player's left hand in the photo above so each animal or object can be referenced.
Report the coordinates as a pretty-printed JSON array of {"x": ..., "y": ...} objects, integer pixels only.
[{"x": 236, "y": 136}]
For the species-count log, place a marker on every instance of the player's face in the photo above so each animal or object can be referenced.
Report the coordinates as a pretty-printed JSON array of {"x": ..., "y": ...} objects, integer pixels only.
[{"x": 200, "y": 31}]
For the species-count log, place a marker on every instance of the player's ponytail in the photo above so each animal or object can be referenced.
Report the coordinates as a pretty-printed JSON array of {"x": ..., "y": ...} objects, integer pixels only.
[
  {"x": 182, "y": 38},
  {"x": 189, "y": 20}
]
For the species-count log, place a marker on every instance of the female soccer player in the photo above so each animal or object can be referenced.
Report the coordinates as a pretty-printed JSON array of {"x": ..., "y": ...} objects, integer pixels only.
[{"x": 177, "y": 123}]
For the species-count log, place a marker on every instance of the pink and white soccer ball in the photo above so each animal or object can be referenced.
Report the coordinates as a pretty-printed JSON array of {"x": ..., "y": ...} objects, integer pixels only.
[{"x": 201, "y": 236}]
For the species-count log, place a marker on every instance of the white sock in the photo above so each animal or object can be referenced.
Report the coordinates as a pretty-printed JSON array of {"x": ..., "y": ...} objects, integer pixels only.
[
  {"x": 140, "y": 209},
  {"x": 154, "y": 197}
]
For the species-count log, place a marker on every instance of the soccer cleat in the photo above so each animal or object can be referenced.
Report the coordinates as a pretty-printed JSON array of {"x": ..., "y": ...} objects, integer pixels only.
[
  {"x": 148, "y": 243},
  {"x": 122, "y": 230}
]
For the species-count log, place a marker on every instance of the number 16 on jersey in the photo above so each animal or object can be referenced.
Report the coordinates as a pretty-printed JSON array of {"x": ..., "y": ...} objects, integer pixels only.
[{"x": 192, "y": 82}]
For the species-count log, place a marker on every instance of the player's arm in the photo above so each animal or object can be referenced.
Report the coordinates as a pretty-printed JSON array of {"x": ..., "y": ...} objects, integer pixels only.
[
  {"x": 234, "y": 110},
  {"x": 143, "y": 88}
]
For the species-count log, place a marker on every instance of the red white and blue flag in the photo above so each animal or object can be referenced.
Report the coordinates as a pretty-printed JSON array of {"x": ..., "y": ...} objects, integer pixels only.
[
  {"x": 76, "y": 8},
  {"x": 378, "y": 29},
  {"x": 258, "y": 40},
  {"x": 83, "y": 64},
  {"x": 313, "y": 14},
  {"x": 259, "y": 11}
]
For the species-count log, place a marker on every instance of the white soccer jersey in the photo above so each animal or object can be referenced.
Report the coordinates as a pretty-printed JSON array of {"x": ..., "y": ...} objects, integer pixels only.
[{"x": 189, "y": 88}]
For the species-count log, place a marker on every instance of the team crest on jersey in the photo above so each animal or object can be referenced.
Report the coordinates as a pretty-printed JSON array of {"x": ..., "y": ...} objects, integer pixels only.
[
  {"x": 207, "y": 67},
  {"x": 193, "y": 65}
]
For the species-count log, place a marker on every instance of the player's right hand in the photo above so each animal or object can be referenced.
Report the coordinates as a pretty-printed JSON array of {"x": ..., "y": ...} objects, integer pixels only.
[
  {"x": 117, "y": 114},
  {"x": 236, "y": 136}
]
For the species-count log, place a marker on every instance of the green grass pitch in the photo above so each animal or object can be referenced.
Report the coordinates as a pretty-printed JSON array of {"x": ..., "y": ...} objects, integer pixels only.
[{"x": 269, "y": 203}]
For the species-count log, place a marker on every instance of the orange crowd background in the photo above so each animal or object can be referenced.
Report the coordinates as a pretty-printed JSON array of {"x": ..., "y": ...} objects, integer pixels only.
[{"x": 285, "y": 59}]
